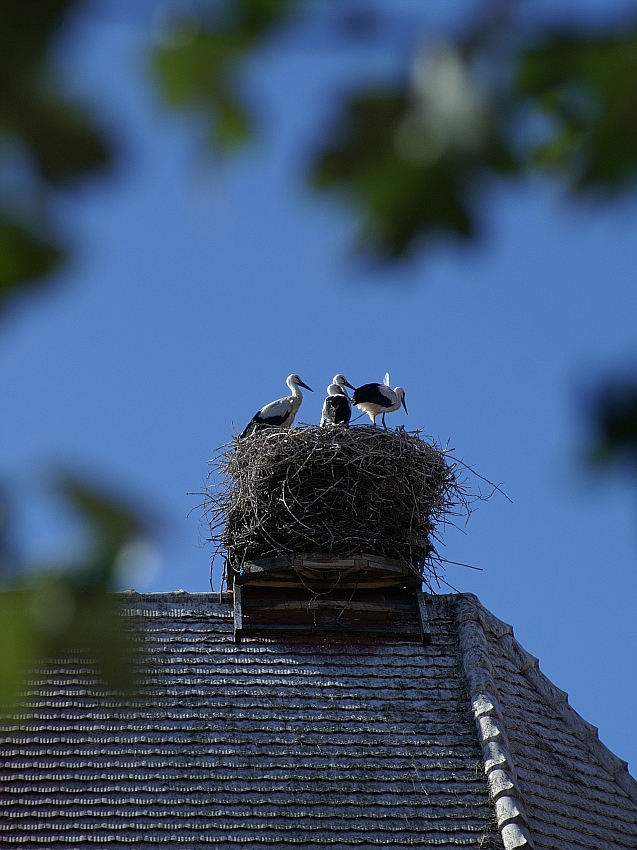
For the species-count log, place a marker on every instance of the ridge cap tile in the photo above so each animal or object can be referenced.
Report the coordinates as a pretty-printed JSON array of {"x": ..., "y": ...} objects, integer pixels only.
[
  {"x": 489, "y": 621},
  {"x": 515, "y": 836},
  {"x": 485, "y": 705}
]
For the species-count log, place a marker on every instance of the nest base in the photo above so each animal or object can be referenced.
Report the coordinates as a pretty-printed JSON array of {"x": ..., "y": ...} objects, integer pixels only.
[{"x": 334, "y": 491}]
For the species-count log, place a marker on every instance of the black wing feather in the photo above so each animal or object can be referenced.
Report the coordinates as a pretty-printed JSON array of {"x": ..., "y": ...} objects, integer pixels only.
[
  {"x": 257, "y": 423},
  {"x": 371, "y": 393}
]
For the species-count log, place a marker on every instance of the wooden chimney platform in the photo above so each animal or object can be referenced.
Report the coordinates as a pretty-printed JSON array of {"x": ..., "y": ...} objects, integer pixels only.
[{"x": 363, "y": 594}]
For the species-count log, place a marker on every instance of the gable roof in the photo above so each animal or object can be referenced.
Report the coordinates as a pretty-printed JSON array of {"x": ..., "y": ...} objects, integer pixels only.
[{"x": 313, "y": 742}]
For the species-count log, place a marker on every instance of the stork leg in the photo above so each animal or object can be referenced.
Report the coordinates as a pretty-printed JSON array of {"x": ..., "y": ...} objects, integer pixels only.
[{"x": 383, "y": 421}]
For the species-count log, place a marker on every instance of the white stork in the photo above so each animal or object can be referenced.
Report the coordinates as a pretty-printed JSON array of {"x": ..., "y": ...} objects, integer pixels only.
[
  {"x": 279, "y": 413},
  {"x": 337, "y": 407},
  {"x": 379, "y": 398}
]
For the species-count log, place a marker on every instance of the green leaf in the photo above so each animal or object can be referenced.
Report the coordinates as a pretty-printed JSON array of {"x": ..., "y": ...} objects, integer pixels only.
[
  {"x": 256, "y": 17},
  {"x": 24, "y": 260},
  {"x": 57, "y": 140},
  {"x": 56, "y": 619},
  {"x": 112, "y": 523},
  {"x": 200, "y": 76},
  {"x": 62, "y": 138},
  {"x": 21, "y": 644},
  {"x": 199, "y": 69},
  {"x": 26, "y": 36},
  {"x": 59, "y": 135},
  {"x": 403, "y": 196},
  {"x": 70, "y": 611},
  {"x": 589, "y": 89}
]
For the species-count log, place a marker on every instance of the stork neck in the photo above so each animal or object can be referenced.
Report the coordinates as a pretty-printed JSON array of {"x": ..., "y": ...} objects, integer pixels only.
[{"x": 296, "y": 398}]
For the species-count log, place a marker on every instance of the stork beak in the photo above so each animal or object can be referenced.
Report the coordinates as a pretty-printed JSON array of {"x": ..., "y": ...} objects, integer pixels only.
[
  {"x": 301, "y": 384},
  {"x": 347, "y": 384},
  {"x": 404, "y": 405}
]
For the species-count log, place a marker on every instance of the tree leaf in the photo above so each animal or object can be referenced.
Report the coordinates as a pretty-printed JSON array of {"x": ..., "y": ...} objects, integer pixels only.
[
  {"x": 112, "y": 524},
  {"x": 24, "y": 260},
  {"x": 403, "y": 195},
  {"x": 21, "y": 645},
  {"x": 201, "y": 76},
  {"x": 61, "y": 137},
  {"x": 199, "y": 68},
  {"x": 68, "y": 610},
  {"x": 589, "y": 88}
]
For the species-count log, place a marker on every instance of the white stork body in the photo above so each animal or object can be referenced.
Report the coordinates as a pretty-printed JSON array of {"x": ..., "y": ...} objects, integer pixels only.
[
  {"x": 337, "y": 407},
  {"x": 280, "y": 413},
  {"x": 379, "y": 398}
]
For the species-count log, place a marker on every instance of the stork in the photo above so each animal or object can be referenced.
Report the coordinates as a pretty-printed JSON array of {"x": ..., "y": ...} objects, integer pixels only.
[
  {"x": 279, "y": 413},
  {"x": 337, "y": 407},
  {"x": 379, "y": 398}
]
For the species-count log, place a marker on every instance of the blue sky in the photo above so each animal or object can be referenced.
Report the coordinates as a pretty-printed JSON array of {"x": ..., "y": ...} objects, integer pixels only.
[{"x": 201, "y": 285}]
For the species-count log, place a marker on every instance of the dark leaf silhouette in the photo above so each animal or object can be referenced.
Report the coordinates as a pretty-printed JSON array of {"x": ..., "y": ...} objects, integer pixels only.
[
  {"x": 588, "y": 87},
  {"x": 25, "y": 260}
]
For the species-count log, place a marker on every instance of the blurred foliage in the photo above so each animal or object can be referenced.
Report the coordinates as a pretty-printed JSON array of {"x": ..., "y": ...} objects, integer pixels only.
[
  {"x": 199, "y": 64},
  {"x": 614, "y": 415},
  {"x": 588, "y": 88},
  {"x": 47, "y": 142},
  {"x": 24, "y": 259},
  {"x": 411, "y": 184},
  {"x": 55, "y": 610},
  {"x": 414, "y": 158},
  {"x": 417, "y": 169}
]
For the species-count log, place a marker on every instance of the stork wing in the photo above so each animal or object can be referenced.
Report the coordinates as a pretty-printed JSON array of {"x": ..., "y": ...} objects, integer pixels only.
[
  {"x": 251, "y": 426},
  {"x": 386, "y": 380},
  {"x": 275, "y": 413},
  {"x": 378, "y": 394}
]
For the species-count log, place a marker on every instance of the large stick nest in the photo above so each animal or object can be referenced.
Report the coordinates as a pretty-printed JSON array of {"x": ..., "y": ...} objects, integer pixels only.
[{"x": 335, "y": 491}]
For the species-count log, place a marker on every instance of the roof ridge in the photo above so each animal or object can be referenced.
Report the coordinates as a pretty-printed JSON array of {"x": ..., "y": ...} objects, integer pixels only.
[
  {"x": 529, "y": 666},
  {"x": 173, "y": 595},
  {"x": 498, "y": 764}
]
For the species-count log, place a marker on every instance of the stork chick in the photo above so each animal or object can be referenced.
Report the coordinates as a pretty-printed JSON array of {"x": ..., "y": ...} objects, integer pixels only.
[
  {"x": 337, "y": 407},
  {"x": 280, "y": 413}
]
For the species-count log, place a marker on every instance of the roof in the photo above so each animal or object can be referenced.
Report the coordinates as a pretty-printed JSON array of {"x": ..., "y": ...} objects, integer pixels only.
[{"x": 313, "y": 742}]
